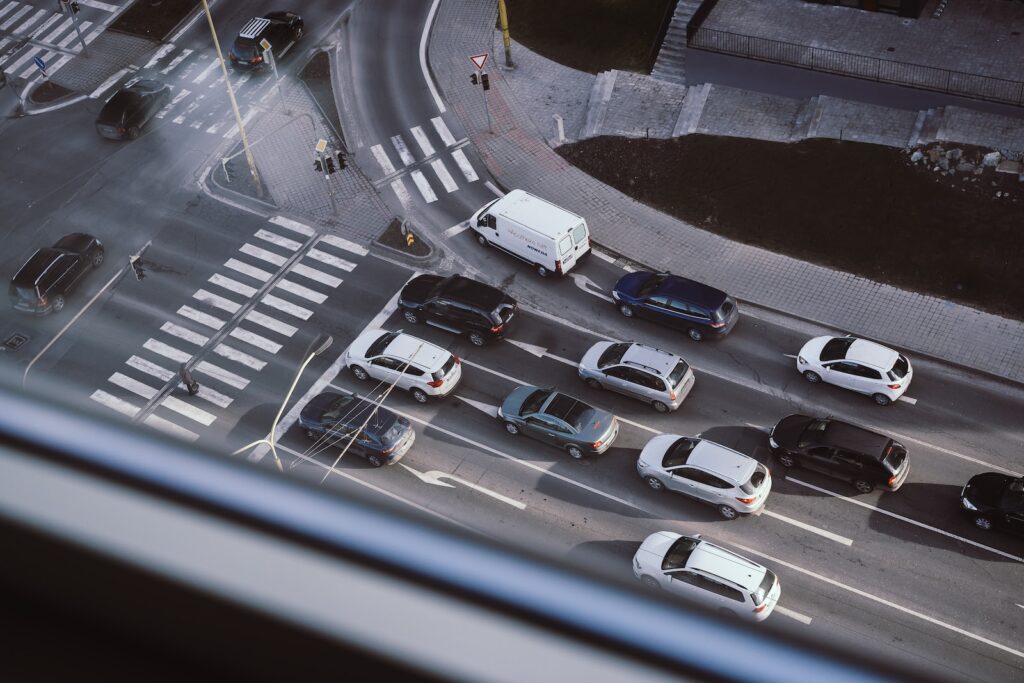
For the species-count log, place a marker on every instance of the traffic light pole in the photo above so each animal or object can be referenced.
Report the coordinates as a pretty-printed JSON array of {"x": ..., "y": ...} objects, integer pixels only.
[
  {"x": 269, "y": 54},
  {"x": 67, "y": 9},
  {"x": 487, "y": 103}
]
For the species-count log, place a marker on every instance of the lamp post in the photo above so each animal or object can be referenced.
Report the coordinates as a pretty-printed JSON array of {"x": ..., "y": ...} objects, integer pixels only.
[{"x": 316, "y": 347}]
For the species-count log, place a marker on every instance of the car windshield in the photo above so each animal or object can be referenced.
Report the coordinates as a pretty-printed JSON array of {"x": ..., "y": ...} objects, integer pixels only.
[
  {"x": 381, "y": 343},
  {"x": 900, "y": 368},
  {"x": 679, "y": 452},
  {"x": 678, "y": 372},
  {"x": 653, "y": 282},
  {"x": 445, "y": 369},
  {"x": 835, "y": 349},
  {"x": 761, "y": 594},
  {"x": 569, "y": 409},
  {"x": 612, "y": 355},
  {"x": 534, "y": 401},
  {"x": 679, "y": 554}
]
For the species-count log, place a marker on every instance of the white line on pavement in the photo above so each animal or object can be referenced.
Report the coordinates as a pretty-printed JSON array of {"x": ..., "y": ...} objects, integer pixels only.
[
  {"x": 169, "y": 428},
  {"x": 167, "y": 351},
  {"x": 205, "y": 73},
  {"x": 185, "y": 52},
  {"x": 184, "y": 333},
  {"x": 105, "y": 6},
  {"x": 210, "y": 321},
  {"x": 465, "y": 166},
  {"x": 601, "y": 255},
  {"x": 239, "y": 357},
  {"x": 274, "y": 238},
  {"x": 807, "y": 527},
  {"x": 423, "y": 186},
  {"x": 271, "y": 323},
  {"x": 160, "y": 54},
  {"x": 403, "y": 151},
  {"x": 786, "y": 612},
  {"x": 105, "y": 85},
  {"x": 217, "y": 301},
  {"x": 422, "y": 141},
  {"x": 178, "y": 97},
  {"x": 442, "y": 131},
  {"x": 188, "y": 410},
  {"x": 456, "y": 230},
  {"x": 246, "y": 269},
  {"x": 905, "y": 519},
  {"x": 434, "y": 477},
  {"x": 398, "y": 187},
  {"x": 316, "y": 275},
  {"x": 295, "y": 226},
  {"x": 207, "y": 394},
  {"x": 225, "y": 376},
  {"x": 114, "y": 403},
  {"x": 382, "y": 159},
  {"x": 423, "y": 57},
  {"x": 286, "y": 307},
  {"x": 232, "y": 285},
  {"x": 493, "y": 188},
  {"x": 911, "y": 401},
  {"x": 254, "y": 339},
  {"x": 301, "y": 291},
  {"x": 443, "y": 175},
  {"x": 245, "y": 119},
  {"x": 347, "y": 245},
  {"x": 268, "y": 256},
  {"x": 15, "y": 17}
]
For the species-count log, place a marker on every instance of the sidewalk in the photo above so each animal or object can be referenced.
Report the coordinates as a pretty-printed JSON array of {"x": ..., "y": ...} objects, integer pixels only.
[{"x": 518, "y": 155}]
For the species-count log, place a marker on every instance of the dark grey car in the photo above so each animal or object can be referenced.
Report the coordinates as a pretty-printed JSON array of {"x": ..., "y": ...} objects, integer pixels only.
[
  {"x": 124, "y": 114},
  {"x": 558, "y": 419},
  {"x": 41, "y": 285}
]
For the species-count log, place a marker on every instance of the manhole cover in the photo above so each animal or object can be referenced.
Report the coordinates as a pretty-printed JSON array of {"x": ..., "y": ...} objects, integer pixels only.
[{"x": 15, "y": 341}]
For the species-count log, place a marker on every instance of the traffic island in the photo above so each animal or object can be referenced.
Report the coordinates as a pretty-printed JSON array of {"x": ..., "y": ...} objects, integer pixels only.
[
  {"x": 402, "y": 239},
  {"x": 48, "y": 92}
]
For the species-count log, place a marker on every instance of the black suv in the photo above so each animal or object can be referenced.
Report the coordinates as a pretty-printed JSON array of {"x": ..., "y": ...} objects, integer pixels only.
[
  {"x": 460, "y": 305},
  {"x": 46, "y": 278},
  {"x": 281, "y": 29},
  {"x": 995, "y": 500},
  {"x": 380, "y": 436},
  {"x": 864, "y": 458}
]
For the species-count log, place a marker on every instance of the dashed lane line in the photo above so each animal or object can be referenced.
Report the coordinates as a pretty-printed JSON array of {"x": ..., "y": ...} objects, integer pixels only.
[{"x": 808, "y": 527}]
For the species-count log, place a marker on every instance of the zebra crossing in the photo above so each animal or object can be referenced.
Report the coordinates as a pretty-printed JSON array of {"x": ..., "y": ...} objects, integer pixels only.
[
  {"x": 429, "y": 173},
  {"x": 313, "y": 267}
]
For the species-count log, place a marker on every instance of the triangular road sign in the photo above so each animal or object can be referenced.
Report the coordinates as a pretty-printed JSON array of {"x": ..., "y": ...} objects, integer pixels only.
[{"x": 479, "y": 60}]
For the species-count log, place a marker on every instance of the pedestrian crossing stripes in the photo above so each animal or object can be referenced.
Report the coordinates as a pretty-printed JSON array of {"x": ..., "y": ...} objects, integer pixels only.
[
  {"x": 442, "y": 131},
  {"x": 403, "y": 151},
  {"x": 422, "y": 141},
  {"x": 443, "y": 175},
  {"x": 465, "y": 166},
  {"x": 169, "y": 428},
  {"x": 423, "y": 186}
]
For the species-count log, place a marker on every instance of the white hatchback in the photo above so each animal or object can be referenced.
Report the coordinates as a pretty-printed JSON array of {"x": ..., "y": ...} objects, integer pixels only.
[
  {"x": 423, "y": 369},
  {"x": 857, "y": 364},
  {"x": 707, "y": 574}
]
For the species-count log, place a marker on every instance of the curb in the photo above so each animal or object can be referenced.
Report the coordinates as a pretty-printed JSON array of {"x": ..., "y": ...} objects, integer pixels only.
[{"x": 228, "y": 193}]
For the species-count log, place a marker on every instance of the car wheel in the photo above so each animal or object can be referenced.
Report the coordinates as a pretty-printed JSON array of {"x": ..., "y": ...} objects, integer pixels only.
[
  {"x": 419, "y": 395},
  {"x": 410, "y": 316},
  {"x": 133, "y": 133},
  {"x": 483, "y": 241},
  {"x": 655, "y": 483},
  {"x": 650, "y": 582},
  {"x": 863, "y": 486},
  {"x": 512, "y": 428},
  {"x": 983, "y": 523},
  {"x": 812, "y": 377},
  {"x": 310, "y": 434},
  {"x": 626, "y": 310},
  {"x": 727, "y": 512},
  {"x": 542, "y": 271},
  {"x": 786, "y": 460},
  {"x": 575, "y": 452},
  {"x": 58, "y": 303},
  {"x": 97, "y": 257},
  {"x": 695, "y": 334},
  {"x": 882, "y": 399},
  {"x": 593, "y": 383},
  {"x": 660, "y": 407},
  {"x": 375, "y": 460},
  {"x": 476, "y": 339},
  {"x": 360, "y": 374}
]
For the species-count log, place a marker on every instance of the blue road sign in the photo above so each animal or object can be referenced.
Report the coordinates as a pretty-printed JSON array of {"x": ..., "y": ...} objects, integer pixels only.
[{"x": 40, "y": 63}]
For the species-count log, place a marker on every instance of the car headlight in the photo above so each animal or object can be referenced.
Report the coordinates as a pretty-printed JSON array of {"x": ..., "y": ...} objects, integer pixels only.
[
  {"x": 800, "y": 360},
  {"x": 772, "y": 442},
  {"x": 641, "y": 463},
  {"x": 968, "y": 505}
]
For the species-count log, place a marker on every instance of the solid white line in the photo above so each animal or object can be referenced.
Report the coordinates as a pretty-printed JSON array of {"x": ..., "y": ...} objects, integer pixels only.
[
  {"x": 188, "y": 410},
  {"x": 232, "y": 285},
  {"x": 398, "y": 187},
  {"x": 423, "y": 57},
  {"x": 185, "y": 52},
  {"x": 493, "y": 188},
  {"x": 217, "y": 301},
  {"x": 167, "y": 351},
  {"x": 178, "y": 97},
  {"x": 603, "y": 256},
  {"x": 316, "y": 275},
  {"x": 911, "y": 401},
  {"x": 210, "y": 321},
  {"x": 102, "y": 88},
  {"x": 294, "y": 226},
  {"x": 442, "y": 131},
  {"x": 143, "y": 365},
  {"x": 187, "y": 26},
  {"x": 169, "y": 428},
  {"x": 790, "y": 355},
  {"x": 184, "y": 333},
  {"x": 254, "y": 339},
  {"x": 465, "y": 166},
  {"x": 443, "y": 175},
  {"x": 422, "y": 141},
  {"x": 457, "y": 229},
  {"x": 268, "y": 256},
  {"x": 342, "y": 243},
  {"x": 905, "y": 519},
  {"x": 160, "y": 54},
  {"x": 423, "y": 186},
  {"x": 882, "y": 601},
  {"x": 219, "y": 373},
  {"x": 106, "y": 7},
  {"x": 382, "y": 159},
  {"x": 280, "y": 241},
  {"x": 301, "y": 291},
  {"x": 205, "y": 73},
  {"x": 246, "y": 269},
  {"x": 802, "y": 618},
  {"x": 403, "y": 151},
  {"x": 239, "y": 357},
  {"x": 807, "y": 527},
  {"x": 271, "y": 323},
  {"x": 331, "y": 260},
  {"x": 114, "y": 403},
  {"x": 286, "y": 306}
]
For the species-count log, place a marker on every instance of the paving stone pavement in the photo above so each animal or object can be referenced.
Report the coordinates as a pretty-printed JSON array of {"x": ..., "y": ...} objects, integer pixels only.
[
  {"x": 517, "y": 154},
  {"x": 110, "y": 52}
]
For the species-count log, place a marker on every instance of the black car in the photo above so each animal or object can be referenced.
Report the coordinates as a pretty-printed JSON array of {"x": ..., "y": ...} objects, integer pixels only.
[
  {"x": 124, "y": 114},
  {"x": 42, "y": 284},
  {"x": 994, "y": 500},
  {"x": 460, "y": 305},
  {"x": 674, "y": 301},
  {"x": 281, "y": 29},
  {"x": 335, "y": 418},
  {"x": 864, "y": 458}
]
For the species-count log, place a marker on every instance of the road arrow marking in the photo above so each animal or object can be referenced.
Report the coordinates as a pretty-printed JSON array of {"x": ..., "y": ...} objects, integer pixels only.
[
  {"x": 434, "y": 477},
  {"x": 540, "y": 352},
  {"x": 485, "y": 408},
  {"x": 590, "y": 287}
]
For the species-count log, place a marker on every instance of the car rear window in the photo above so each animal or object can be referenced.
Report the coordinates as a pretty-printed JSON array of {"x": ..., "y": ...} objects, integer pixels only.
[
  {"x": 756, "y": 479},
  {"x": 565, "y": 245},
  {"x": 395, "y": 433},
  {"x": 534, "y": 401},
  {"x": 835, "y": 349},
  {"x": 725, "y": 310},
  {"x": 894, "y": 457},
  {"x": 900, "y": 368},
  {"x": 761, "y": 594},
  {"x": 381, "y": 343},
  {"x": 678, "y": 372},
  {"x": 612, "y": 355},
  {"x": 569, "y": 409},
  {"x": 679, "y": 554},
  {"x": 679, "y": 452},
  {"x": 503, "y": 313},
  {"x": 445, "y": 369},
  {"x": 579, "y": 233}
]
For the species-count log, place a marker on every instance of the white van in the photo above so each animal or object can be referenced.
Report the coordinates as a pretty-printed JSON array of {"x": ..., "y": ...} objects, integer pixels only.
[{"x": 546, "y": 236}]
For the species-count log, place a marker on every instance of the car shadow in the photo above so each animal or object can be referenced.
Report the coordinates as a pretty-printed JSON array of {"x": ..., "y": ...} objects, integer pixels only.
[
  {"x": 749, "y": 441},
  {"x": 252, "y": 425},
  {"x": 612, "y": 559}
]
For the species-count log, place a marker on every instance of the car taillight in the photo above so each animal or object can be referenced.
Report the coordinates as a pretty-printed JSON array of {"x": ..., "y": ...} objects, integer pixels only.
[
  {"x": 387, "y": 451},
  {"x": 596, "y": 444},
  {"x": 256, "y": 60},
  {"x": 436, "y": 383},
  {"x": 747, "y": 501},
  {"x": 671, "y": 395},
  {"x": 893, "y": 386},
  {"x": 497, "y": 328},
  {"x": 43, "y": 301},
  {"x": 893, "y": 479},
  {"x": 760, "y": 608},
  {"x": 717, "y": 325},
  {"x": 458, "y": 361},
  {"x": 558, "y": 267}
]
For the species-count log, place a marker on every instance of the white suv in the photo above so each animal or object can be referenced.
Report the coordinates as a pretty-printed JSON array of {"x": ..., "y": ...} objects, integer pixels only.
[
  {"x": 417, "y": 366},
  {"x": 707, "y": 574},
  {"x": 730, "y": 481},
  {"x": 857, "y": 364},
  {"x": 654, "y": 376}
]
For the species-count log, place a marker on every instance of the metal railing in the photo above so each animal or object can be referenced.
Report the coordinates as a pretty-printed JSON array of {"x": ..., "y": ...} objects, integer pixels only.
[{"x": 860, "y": 66}]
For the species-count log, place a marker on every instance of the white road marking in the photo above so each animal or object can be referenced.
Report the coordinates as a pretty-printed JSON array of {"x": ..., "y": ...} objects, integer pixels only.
[
  {"x": 188, "y": 410},
  {"x": 442, "y": 131},
  {"x": 239, "y": 357},
  {"x": 1019, "y": 605},
  {"x": 423, "y": 57},
  {"x": 158, "y": 347},
  {"x": 603, "y": 256},
  {"x": 215, "y": 128},
  {"x": 133, "y": 385},
  {"x": 294, "y": 226},
  {"x": 342, "y": 243},
  {"x": 541, "y": 352},
  {"x": 245, "y": 119},
  {"x": 268, "y": 256},
  {"x": 790, "y": 355},
  {"x": 398, "y": 187},
  {"x": 434, "y": 477},
  {"x": 403, "y": 151},
  {"x": 443, "y": 175},
  {"x": 280, "y": 241},
  {"x": 219, "y": 373},
  {"x": 192, "y": 106},
  {"x": 906, "y": 519},
  {"x": 422, "y": 141},
  {"x": 217, "y": 301},
  {"x": 493, "y": 188},
  {"x": 105, "y": 85},
  {"x": 271, "y": 323},
  {"x": 15, "y": 17},
  {"x": 807, "y": 527},
  {"x": 465, "y": 166},
  {"x": 246, "y": 269},
  {"x": 160, "y": 54},
  {"x": 423, "y": 186},
  {"x": 114, "y": 403},
  {"x": 330, "y": 260},
  {"x": 457, "y": 229},
  {"x": 316, "y": 275},
  {"x": 7, "y": 8},
  {"x": 178, "y": 97},
  {"x": 786, "y": 612},
  {"x": 382, "y": 159},
  {"x": 145, "y": 366},
  {"x": 590, "y": 287},
  {"x": 200, "y": 317},
  {"x": 286, "y": 306},
  {"x": 205, "y": 73},
  {"x": 169, "y": 428},
  {"x": 13, "y": 66},
  {"x": 184, "y": 333},
  {"x": 299, "y": 290},
  {"x": 106, "y": 7},
  {"x": 254, "y": 339},
  {"x": 911, "y": 401},
  {"x": 485, "y": 408},
  {"x": 232, "y": 285},
  {"x": 185, "y": 52}
]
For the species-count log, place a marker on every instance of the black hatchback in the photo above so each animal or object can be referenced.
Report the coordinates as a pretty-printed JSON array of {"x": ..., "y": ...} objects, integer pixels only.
[
  {"x": 460, "y": 305},
  {"x": 41, "y": 285},
  {"x": 281, "y": 29},
  {"x": 995, "y": 500},
  {"x": 379, "y": 435},
  {"x": 124, "y": 114},
  {"x": 686, "y": 305}
]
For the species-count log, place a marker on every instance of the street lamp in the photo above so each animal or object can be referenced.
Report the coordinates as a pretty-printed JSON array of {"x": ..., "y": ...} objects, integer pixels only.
[{"x": 316, "y": 347}]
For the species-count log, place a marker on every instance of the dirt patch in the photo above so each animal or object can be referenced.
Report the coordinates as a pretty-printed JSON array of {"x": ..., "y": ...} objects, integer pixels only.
[
  {"x": 864, "y": 209},
  {"x": 393, "y": 237},
  {"x": 154, "y": 18},
  {"x": 47, "y": 92},
  {"x": 591, "y": 35}
]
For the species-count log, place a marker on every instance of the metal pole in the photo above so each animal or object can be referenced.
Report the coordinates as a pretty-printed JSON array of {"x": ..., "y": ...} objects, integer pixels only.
[
  {"x": 74, "y": 20},
  {"x": 277, "y": 80},
  {"x": 327, "y": 179},
  {"x": 503, "y": 16},
  {"x": 234, "y": 104},
  {"x": 487, "y": 106}
]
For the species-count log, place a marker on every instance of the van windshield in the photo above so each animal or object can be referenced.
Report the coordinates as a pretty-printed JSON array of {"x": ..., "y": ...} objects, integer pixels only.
[{"x": 579, "y": 233}]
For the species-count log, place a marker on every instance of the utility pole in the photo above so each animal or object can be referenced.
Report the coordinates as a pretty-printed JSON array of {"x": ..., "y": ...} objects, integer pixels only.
[
  {"x": 503, "y": 17},
  {"x": 234, "y": 104}
]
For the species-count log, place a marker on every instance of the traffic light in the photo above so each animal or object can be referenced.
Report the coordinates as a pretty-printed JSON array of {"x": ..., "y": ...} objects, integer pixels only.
[
  {"x": 486, "y": 81},
  {"x": 341, "y": 161},
  {"x": 473, "y": 79},
  {"x": 330, "y": 165},
  {"x": 318, "y": 165}
]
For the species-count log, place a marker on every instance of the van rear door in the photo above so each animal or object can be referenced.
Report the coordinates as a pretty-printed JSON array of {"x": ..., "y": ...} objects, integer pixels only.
[{"x": 566, "y": 254}]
